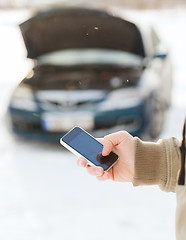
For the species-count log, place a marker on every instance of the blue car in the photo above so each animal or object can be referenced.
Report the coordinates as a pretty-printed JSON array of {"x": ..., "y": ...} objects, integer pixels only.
[{"x": 94, "y": 69}]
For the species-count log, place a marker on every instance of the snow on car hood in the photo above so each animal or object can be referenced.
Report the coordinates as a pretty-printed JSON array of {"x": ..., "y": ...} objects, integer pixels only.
[{"x": 75, "y": 28}]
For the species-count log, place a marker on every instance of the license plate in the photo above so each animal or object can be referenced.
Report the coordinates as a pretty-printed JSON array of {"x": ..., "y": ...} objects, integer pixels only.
[{"x": 56, "y": 122}]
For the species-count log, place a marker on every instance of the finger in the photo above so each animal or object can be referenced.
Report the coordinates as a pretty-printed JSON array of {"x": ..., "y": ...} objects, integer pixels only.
[
  {"x": 95, "y": 171},
  {"x": 81, "y": 162},
  {"x": 101, "y": 140},
  {"x": 104, "y": 177},
  {"x": 112, "y": 140}
]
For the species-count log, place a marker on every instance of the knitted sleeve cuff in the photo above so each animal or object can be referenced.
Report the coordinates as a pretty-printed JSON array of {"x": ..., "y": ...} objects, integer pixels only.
[{"x": 157, "y": 163}]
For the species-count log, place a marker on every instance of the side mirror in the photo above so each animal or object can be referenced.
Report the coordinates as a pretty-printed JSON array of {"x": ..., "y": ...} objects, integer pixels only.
[{"x": 161, "y": 55}]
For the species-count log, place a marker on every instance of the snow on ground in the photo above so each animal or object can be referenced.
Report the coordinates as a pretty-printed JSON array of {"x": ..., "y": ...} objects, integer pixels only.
[{"x": 44, "y": 195}]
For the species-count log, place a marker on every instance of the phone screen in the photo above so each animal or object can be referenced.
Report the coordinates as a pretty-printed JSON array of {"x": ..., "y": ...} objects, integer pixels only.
[{"x": 89, "y": 147}]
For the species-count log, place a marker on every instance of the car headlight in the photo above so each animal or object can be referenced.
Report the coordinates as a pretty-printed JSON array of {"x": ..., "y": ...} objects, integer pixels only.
[
  {"x": 23, "y": 98},
  {"x": 123, "y": 98}
]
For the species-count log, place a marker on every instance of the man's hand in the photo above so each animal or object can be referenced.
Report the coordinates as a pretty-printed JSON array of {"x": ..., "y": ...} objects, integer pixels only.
[{"x": 123, "y": 144}]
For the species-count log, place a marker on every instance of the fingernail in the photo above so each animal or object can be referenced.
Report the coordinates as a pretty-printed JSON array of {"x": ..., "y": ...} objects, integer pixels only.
[
  {"x": 99, "y": 171},
  {"x": 82, "y": 164},
  {"x": 105, "y": 175}
]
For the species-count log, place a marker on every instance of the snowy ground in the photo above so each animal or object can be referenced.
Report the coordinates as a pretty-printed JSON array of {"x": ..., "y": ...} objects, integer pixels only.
[{"x": 45, "y": 196}]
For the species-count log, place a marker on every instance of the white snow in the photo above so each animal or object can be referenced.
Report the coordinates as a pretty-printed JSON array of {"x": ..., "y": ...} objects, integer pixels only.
[{"x": 44, "y": 195}]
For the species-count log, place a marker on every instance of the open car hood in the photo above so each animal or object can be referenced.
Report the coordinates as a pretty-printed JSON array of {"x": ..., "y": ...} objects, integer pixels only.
[{"x": 75, "y": 28}]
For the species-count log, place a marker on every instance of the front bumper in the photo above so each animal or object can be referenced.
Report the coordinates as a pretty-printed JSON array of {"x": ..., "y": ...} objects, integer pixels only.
[{"x": 134, "y": 120}]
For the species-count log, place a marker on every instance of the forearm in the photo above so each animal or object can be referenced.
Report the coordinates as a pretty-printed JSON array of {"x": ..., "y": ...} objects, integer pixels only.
[{"x": 157, "y": 163}]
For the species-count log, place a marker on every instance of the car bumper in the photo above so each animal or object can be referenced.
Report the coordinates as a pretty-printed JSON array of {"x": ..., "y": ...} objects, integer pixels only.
[{"x": 30, "y": 124}]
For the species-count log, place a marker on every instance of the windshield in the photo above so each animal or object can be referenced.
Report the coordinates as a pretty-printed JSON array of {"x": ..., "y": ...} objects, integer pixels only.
[{"x": 89, "y": 56}]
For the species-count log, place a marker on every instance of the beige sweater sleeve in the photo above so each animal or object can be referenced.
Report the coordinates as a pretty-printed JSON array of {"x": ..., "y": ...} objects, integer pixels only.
[{"x": 157, "y": 163}]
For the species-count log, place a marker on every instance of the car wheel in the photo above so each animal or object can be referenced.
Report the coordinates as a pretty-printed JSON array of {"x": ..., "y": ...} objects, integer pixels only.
[{"x": 156, "y": 120}]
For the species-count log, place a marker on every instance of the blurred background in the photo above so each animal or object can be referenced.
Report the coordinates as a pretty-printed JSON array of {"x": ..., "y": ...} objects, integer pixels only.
[{"x": 44, "y": 195}]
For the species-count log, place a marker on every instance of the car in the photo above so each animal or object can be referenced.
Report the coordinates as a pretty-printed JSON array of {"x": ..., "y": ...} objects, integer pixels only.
[{"x": 97, "y": 69}]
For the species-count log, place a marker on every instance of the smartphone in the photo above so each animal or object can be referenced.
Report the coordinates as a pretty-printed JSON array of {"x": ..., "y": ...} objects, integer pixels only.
[{"x": 82, "y": 144}]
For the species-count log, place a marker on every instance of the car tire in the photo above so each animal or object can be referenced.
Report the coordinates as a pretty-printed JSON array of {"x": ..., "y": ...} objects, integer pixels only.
[{"x": 157, "y": 119}]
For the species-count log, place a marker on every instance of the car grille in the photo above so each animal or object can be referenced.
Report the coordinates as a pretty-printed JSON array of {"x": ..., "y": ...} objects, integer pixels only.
[{"x": 56, "y": 105}]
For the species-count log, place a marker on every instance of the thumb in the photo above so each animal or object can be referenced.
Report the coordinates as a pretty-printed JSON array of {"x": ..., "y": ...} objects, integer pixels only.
[{"x": 112, "y": 140}]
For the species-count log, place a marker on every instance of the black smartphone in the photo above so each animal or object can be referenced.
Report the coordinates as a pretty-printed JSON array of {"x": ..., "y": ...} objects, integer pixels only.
[{"x": 82, "y": 144}]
